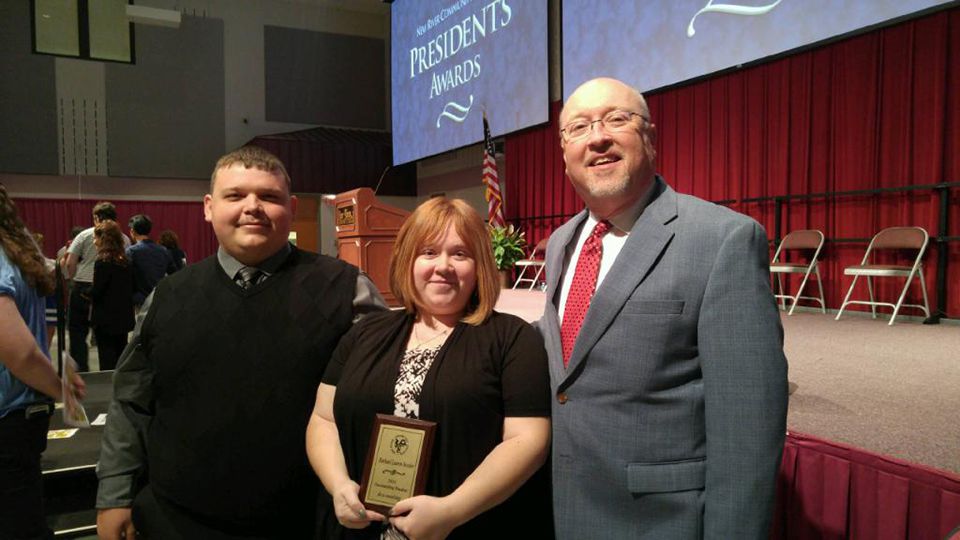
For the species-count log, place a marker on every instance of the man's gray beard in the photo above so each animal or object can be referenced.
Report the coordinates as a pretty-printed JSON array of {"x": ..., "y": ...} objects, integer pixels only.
[{"x": 609, "y": 188}]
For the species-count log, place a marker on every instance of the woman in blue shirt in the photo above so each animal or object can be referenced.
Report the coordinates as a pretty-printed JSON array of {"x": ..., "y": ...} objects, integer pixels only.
[{"x": 28, "y": 382}]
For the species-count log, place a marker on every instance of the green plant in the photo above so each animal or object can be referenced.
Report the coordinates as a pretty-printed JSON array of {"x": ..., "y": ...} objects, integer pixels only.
[{"x": 509, "y": 246}]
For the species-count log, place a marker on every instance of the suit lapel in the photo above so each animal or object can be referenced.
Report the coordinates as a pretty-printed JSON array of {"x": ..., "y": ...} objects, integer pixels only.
[
  {"x": 648, "y": 238},
  {"x": 560, "y": 241},
  {"x": 562, "y": 238}
]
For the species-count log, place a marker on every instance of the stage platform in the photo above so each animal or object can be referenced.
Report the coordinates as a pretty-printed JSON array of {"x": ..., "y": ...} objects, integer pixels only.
[
  {"x": 528, "y": 305},
  {"x": 892, "y": 390}
]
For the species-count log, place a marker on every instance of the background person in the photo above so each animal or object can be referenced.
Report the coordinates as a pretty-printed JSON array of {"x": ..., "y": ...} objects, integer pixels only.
[
  {"x": 51, "y": 300},
  {"x": 112, "y": 304},
  {"x": 204, "y": 437},
  {"x": 169, "y": 240},
  {"x": 150, "y": 261},
  {"x": 81, "y": 256},
  {"x": 665, "y": 344},
  {"x": 62, "y": 252},
  {"x": 28, "y": 382},
  {"x": 449, "y": 358}
]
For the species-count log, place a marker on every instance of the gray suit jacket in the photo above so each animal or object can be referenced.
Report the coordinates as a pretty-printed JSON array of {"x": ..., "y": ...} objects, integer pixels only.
[{"x": 670, "y": 419}]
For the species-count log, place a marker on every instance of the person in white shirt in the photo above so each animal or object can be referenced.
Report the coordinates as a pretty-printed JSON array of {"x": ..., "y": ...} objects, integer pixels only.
[{"x": 81, "y": 255}]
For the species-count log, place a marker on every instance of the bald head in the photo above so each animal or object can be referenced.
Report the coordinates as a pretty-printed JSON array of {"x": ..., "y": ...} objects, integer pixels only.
[
  {"x": 605, "y": 89},
  {"x": 612, "y": 164}
]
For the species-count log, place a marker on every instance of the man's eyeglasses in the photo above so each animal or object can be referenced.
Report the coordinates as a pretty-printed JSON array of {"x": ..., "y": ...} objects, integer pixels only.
[{"x": 616, "y": 120}]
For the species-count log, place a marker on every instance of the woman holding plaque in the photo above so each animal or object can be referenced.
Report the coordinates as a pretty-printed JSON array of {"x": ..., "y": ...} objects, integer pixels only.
[{"x": 447, "y": 358}]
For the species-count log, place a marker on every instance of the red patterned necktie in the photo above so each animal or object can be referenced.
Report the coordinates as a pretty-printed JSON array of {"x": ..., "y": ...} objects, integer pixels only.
[{"x": 582, "y": 288}]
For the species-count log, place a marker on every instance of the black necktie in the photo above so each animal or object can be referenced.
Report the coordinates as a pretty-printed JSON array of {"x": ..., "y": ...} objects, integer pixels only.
[{"x": 247, "y": 277}]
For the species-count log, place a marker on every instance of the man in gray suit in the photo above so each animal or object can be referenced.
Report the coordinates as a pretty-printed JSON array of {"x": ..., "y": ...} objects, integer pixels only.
[{"x": 665, "y": 345}]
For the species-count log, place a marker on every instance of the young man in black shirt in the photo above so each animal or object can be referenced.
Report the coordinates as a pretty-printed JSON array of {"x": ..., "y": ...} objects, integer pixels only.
[{"x": 213, "y": 395}]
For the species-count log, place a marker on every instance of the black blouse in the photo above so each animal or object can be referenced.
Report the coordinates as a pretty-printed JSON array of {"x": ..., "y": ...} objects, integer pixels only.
[
  {"x": 112, "y": 297},
  {"x": 481, "y": 375}
]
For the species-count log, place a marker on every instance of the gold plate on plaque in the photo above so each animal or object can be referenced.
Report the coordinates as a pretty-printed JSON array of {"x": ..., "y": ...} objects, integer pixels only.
[{"x": 397, "y": 461}]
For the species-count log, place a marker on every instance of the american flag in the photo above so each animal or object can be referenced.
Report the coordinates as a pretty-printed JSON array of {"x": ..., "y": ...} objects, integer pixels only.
[{"x": 491, "y": 180}]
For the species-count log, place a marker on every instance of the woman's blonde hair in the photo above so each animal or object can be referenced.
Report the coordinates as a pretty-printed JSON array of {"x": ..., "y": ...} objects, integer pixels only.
[{"x": 427, "y": 224}]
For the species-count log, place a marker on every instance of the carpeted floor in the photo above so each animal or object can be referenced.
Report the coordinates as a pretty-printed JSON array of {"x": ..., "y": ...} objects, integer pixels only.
[{"x": 893, "y": 390}]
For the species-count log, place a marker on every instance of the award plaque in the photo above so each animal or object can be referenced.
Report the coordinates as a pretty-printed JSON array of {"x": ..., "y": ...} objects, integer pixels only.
[{"x": 397, "y": 461}]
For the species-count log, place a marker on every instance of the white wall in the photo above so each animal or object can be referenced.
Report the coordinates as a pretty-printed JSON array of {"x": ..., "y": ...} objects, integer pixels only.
[
  {"x": 81, "y": 87},
  {"x": 81, "y": 106},
  {"x": 243, "y": 47}
]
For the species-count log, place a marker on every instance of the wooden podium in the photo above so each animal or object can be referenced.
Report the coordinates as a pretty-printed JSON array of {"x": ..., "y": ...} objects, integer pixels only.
[{"x": 366, "y": 231}]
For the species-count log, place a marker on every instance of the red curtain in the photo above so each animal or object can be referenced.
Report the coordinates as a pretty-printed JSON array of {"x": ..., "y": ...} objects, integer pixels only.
[
  {"x": 536, "y": 192},
  {"x": 334, "y": 160},
  {"x": 828, "y": 490},
  {"x": 55, "y": 217},
  {"x": 873, "y": 111}
]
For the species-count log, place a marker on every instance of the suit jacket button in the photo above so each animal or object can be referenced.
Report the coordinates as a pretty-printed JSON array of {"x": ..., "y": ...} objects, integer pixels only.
[{"x": 561, "y": 397}]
